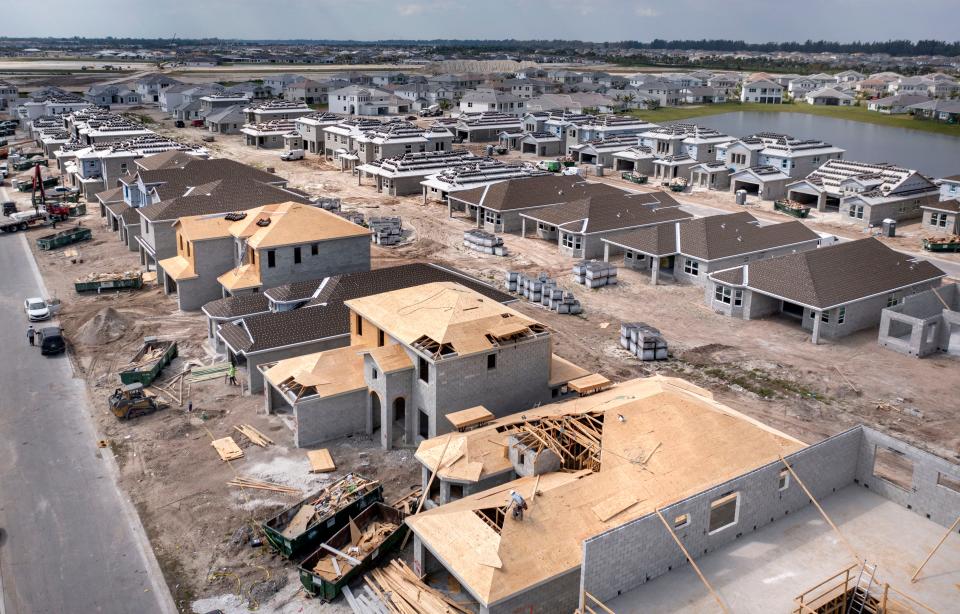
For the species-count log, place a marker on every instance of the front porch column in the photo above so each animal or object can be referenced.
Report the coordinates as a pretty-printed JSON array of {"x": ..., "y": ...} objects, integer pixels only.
[
  {"x": 606, "y": 252},
  {"x": 654, "y": 270},
  {"x": 822, "y": 201},
  {"x": 523, "y": 228},
  {"x": 386, "y": 426},
  {"x": 424, "y": 194},
  {"x": 816, "y": 327},
  {"x": 479, "y": 211},
  {"x": 449, "y": 208}
]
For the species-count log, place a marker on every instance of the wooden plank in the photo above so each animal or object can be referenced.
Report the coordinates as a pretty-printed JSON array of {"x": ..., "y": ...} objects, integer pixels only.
[
  {"x": 321, "y": 461},
  {"x": 469, "y": 417},
  {"x": 346, "y": 556},
  {"x": 300, "y": 521},
  {"x": 227, "y": 448},
  {"x": 613, "y": 506}
]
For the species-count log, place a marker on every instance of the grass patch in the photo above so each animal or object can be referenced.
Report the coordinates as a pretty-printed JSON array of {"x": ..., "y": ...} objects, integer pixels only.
[
  {"x": 143, "y": 119},
  {"x": 857, "y": 114},
  {"x": 763, "y": 385}
]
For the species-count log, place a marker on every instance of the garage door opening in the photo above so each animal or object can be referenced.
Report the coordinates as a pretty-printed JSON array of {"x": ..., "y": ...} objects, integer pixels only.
[
  {"x": 750, "y": 187},
  {"x": 792, "y": 309}
]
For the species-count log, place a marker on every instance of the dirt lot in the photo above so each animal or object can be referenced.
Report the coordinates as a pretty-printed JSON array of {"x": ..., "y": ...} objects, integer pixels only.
[{"x": 198, "y": 525}]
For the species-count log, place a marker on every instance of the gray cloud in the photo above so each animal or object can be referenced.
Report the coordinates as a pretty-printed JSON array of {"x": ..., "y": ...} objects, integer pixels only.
[{"x": 596, "y": 20}]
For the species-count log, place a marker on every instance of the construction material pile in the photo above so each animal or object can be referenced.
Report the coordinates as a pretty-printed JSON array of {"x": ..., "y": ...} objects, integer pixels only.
[
  {"x": 362, "y": 543},
  {"x": 328, "y": 203},
  {"x": 341, "y": 493},
  {"x": 543, "y": 291},
  {"x": 643, "y": 341},
  {"x": 395, "y": 589},
  {"x": 594, "y": 273},
  {"x": 484, "y": 242},
  {"x": 353, "y": 216},
  {"x": 101, "y": 277},
  {"x": 386, "y": 230}
]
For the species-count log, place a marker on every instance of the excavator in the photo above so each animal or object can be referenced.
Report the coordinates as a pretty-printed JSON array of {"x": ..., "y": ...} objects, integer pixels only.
[{"x": 132, "y": 400}]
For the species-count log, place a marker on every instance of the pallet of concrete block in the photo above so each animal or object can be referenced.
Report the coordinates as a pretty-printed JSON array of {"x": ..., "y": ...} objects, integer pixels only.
[
  {"x": 643, "y": 341},
  {"x": 329, "y": 203},
  {"x": 354, "y": 216},
  {"x": 386, "y": 230},
  {"x": 531, "y": 288},
  {"x": 566, "y": 304},
  {"x": 510, "y": 281},
  {"x": 594, "y": 273},
  {"x": 484, "y": 242}
]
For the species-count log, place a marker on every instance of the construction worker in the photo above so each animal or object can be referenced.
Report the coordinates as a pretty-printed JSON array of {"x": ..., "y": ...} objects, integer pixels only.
[
  {"x": 232, "y": 374},
  {"x": 30, "y": 334},
  {"x": 517, "y": 504}
]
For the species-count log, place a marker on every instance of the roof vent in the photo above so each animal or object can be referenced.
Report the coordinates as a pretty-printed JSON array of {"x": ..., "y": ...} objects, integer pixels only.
[
  {"x": 263, "y": 222},
  {"x": 235, "y": 217}
]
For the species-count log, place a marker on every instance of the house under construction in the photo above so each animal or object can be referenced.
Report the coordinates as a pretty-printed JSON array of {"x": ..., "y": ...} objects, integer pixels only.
[{"x": 652, "y": 497}]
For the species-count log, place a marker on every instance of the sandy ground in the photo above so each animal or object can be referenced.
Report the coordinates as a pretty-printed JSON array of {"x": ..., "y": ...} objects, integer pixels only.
[{"x": 768, "y": 369}]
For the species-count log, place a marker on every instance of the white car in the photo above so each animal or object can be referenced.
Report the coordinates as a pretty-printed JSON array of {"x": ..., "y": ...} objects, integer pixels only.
[{"x": 36, "y": 309}]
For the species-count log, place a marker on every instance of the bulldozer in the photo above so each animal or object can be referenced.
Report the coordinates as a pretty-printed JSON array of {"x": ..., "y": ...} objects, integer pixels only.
[{"x": 132, "y": 400}]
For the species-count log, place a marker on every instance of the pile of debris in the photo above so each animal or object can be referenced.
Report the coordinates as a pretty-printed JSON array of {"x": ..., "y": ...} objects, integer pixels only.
[
  {"x": 328, "y": 203},
  {"x": 386, "y": 230},
  {"x": 643, "y": 341},
  {"x": 543, "y": 291},
  {"x": 362, "y": 542},
  {"x": 326, "y": 502},
  {"x": 594, "y": 273},
  {"x": 484, "y": 242}
]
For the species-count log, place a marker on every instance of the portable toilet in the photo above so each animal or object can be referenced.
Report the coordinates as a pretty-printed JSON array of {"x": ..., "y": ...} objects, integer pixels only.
[
  {"x": 741, "y": 196},
  {"x": 889, "y": 227}
]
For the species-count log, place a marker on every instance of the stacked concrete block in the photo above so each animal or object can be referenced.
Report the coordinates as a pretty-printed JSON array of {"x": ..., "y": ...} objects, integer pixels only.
[
  {"x": 328, "y": 203},
  {"x": 542, "y": 290},
  {"x": 484, "y": 242},
  {"x": 354, "y": 216},
  {"x": 386, "y": 230},
  {"x": 643, "y": 341},
  {"x": 594, "y": 273}
]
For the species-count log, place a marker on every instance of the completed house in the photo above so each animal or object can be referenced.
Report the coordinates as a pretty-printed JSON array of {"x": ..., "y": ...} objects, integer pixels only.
[
  {"x": 688, "y": 251},
  {"x": 762, "y": 91},
  {"x": 361, "y": 100},
  {"x": 9, "y": 95},
  {"x": 831, "y": 291},
  {"x": 488, "y": 99},
  {"x": 249, "y": 251},
  {"x": 415, "y": 356},
  {"x": 828, "y": 96},
  {"x": 106, "y": 95},
  {"x": 579, "y": 226}
]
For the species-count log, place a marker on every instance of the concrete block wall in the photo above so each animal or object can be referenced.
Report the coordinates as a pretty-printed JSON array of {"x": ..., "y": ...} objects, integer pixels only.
[
  {"x": 926, "y": 497},
  {"x": 211, "y": 259},
  {"x": 630, "y": 555},
  {"x": 328, "y": 418},
  {"x": 861, "y": 314},
  {"x": 335, "y": 257},
  {"x": 559, "y": 594},
  {"x": 520, "y": 380}
]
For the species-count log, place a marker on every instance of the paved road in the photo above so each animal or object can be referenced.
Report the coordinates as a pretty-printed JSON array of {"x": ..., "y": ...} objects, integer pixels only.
[{"x": 69, "y": 540}]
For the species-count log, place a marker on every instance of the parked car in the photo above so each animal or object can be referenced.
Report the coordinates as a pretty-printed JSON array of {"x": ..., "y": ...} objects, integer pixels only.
[
  {"x": 293, "y": 154},
  {"x": 197, "y": 123},
  {"x": 36, "y": 309},
  {"x": 51, "y": 340},
  {"x": 180, "y": 123}
]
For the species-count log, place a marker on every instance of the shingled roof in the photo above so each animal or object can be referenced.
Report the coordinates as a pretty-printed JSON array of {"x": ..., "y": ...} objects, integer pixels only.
[
  {"x": 608, "y": 211},
  {"x": 530, "y": 192},
  {"x": 831, "y": 276},
  {"x": 221, "y": 196},
  {"x": 325, "y": 315},
  {"x": 176, "y": 181}
]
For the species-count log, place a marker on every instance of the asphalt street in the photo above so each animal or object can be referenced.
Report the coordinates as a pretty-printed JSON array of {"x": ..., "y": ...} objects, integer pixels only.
[{"x": 70, "y": 541}]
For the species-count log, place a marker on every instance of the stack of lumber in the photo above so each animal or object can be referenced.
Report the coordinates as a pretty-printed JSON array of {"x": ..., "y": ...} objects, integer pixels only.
[
  {"x": 227, "y": 448},
  {"x": 407, "y": 504},
  {"x": 212, "y": 372},
  {"x": 397, "y": 590},
  {"x": 321, "y": 461},
  {"x": 254, "y": 435},
  {"x": 148, "y": 357},
  {"x": 243, "y": 482},
  {"x": 362, "y": 543}
]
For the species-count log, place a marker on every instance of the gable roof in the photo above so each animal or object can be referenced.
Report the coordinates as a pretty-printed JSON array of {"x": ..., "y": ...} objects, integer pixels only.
[
  {"x": 291, "y": 223},
  {"x": 836, "y": 275},
  {"x": 220, "y": 197}
]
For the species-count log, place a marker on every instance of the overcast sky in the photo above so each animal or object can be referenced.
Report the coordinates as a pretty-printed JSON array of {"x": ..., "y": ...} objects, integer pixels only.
[{"x": 596, "y": 20}]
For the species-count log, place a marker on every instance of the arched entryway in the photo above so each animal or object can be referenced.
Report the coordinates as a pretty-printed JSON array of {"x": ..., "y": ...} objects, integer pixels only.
[{"x": 399, "y": 419}]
